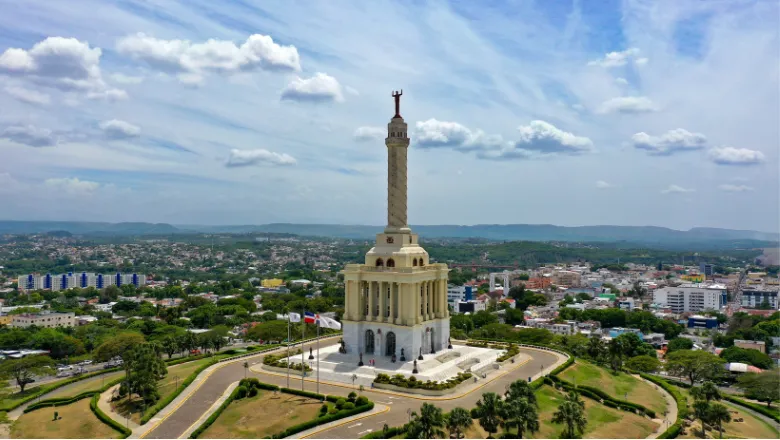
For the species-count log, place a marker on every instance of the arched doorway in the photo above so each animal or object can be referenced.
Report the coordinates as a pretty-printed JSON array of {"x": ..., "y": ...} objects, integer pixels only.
[
  {"x": 390, "y": 344},
  {"x": 369, "y": 342}
]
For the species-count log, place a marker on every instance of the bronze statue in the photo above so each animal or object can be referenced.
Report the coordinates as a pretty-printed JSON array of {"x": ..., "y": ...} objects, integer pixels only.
[
  {"x": 397, "y": 97},
  {"x": 414, "y": 371},
  {"x": 403, "y": 358},
  {"x": 420, "y": 357},
  {"x": 311, "y": 355},
  {"x": 449, "y": 343},
  {"x": 360, "y": 364}
]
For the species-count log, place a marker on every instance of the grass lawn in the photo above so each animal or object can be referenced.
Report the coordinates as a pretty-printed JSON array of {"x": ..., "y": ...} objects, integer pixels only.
[
  {"x": 92, "y": 384},
  {"x": 166, "y": 386},
  {"x": 475, "y": 430},
  {"x": 76, "y": 421},
  {"x": 263, "y": 415},
  {"x": 603, "y": 422},
  {"x": 8, "y": 397},
  {"x": 750, "y": 427},
  {"x": 639, "y": 391}
]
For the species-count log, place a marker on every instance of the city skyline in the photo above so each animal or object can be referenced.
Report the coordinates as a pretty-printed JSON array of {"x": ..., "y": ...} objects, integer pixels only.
[{"x": 632, "y": 114}]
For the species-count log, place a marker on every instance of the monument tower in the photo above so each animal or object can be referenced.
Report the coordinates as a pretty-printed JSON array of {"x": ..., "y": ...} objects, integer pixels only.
[{"x": 396, "y": 302}]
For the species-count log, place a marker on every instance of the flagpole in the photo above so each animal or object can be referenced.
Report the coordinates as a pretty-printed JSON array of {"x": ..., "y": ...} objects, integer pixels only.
[
  {"x": 318, "y": 356},
  {"x": 303, "y": 337},
  {"x": 288, "y": 349}
]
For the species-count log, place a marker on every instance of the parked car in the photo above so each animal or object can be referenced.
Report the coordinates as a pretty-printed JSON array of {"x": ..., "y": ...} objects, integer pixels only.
[
  {"x": 194, "y": 352},
  {"x": 87, "y": 362}
]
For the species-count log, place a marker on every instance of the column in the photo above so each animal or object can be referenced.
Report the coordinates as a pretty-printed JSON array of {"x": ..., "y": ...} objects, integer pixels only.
[
  {"x": 401, "y": 312},
  {"x": 426, "y": 300},
  {"x": 370, "y": 301},
  {"x": 446, "y": 311},
  {"x": 417, "y": 303},
  {"x": 382, "y": 301}
]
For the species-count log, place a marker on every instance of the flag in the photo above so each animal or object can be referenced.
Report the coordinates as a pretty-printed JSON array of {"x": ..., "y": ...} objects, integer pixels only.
[
  {"x": 330, "y": 323},
  {"x": 294, "y": 317},
  {"x": 309, "y": 317}
]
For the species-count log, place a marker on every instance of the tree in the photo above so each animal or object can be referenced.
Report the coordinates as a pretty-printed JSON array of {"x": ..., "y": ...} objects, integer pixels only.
[
  {"x": 571, "y": 413},
  {"x": 170, "y": 345},
  {"x": 23, "y": 370},
  {"x": 637, "y": 290},
  {"x": 143, "y": 369},
  {"x": 521, "y": 390},
  {"x": 707, "y": 391},
  {"x": 118, "y": 345},
  {"x": 489, "y": 411},
  {"x": 483, "y": 318},
  {"x": 268, "y": 316},
  {"x": 764, "y": 387},
  {"x": 615, "y": 349},
  {"x": 521, "y": 414},
  {"x": 596, "y": 347},
  {"x": 427, "y": 424},
  {"x": 643, "y": 364},
  {"x": 695, "y": 365},
  {"x": 458, "y": 420},
  {"x": 718, "y": 414},
  {"x": 679, "y": 344},
  {"x": 268, "y": 331},
  {"x": 462, "y": 322},
  {"x": 701, "y": 410},
  {"x": 748, "y": 356}
]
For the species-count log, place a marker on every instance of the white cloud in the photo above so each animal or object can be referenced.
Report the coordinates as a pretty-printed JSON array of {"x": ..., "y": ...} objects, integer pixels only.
[
  {"x": 628, "y": 104},
  {"x": 319, "y": 88},
  {"x": 63, "y": 63},
  {"x": 677, "y": 189},
  {"x": 735, "y": 188},
  {"x": 600, "y": 184},
  {"x": 110, "y": 95},
  {"x": 126, "y": 79},
  {"x": 27, "y": 95},
  {"x": 621, "y": 81},
  {"x": 258, "y": 52},
  {"x": 370, "y": 133},
  {"x": 641, "y": 61},
  {"x": 736, "y": 156},
  {"x": 239, "y": 158},
  {"x": 672, "y": 141},
  {"x": 619, "y": 59},
  {"x": 72, "y": 186},
  {"x": 437, "y": 134},
  {"x": 29, "y": 135},
  {"x": 546, "y": 138},
  {"x": 116, "y": 129}
]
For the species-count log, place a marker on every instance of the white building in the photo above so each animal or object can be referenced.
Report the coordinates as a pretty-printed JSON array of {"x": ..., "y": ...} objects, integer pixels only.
[
  {"x": 82, "y": 280},
  {"x": 691, "y": 297},
  {"x": 48, "y": 320},
  {"x": 456, "y": 294}
]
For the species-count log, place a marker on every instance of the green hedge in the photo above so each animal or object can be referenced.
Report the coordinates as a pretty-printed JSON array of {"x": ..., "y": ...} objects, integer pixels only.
[
  {"x": 682, "y": 405},
  {"x": 755, "y": 407},
  {"x": 199, "y": 430},
  {"x": 151, "y": 412},
  {"x": 45, "y": 389},
  {"x": 563, "y": 366},
  {"x": 93, "y": 405},
  {"x": 303, "y": 393},
  {"x": 597, "y": 394},
  {"x": 323, "y": 420},
  {"x": 58, "y": 402}
]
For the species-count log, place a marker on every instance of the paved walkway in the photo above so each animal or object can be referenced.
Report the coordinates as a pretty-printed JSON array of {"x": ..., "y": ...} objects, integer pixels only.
[
  {"x": 670, "y": 416},
  {"x": 211, "y": 410},
  {"x": 104, "y": 403}
]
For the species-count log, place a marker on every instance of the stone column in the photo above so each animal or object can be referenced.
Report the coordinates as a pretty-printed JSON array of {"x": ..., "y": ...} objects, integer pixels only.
[
  {"x": 427, "y": 298},
  {"x": 401, "y": 312},
  {"x": 446, "y": 311},
  {"x": 417, "y": 303},
  {"x": 370, "y": 301}
]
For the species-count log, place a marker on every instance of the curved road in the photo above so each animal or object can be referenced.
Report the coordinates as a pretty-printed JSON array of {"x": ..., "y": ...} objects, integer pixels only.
[{"x": 184, "y": 416}]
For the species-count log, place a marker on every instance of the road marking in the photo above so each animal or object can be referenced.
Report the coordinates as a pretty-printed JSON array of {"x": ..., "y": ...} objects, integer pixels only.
[
  {"x": 365, "y": 432},
  {"x": 355, "y": 425}
]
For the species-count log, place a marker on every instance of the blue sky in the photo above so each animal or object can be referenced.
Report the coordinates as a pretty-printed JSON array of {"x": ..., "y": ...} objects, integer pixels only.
[{"x": 248, "y": 112}]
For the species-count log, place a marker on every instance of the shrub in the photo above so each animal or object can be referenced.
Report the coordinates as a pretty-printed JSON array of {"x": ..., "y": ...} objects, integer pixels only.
[
  {"x": 303, "y": 393},
  {"x": 352, "y": 396},
  {"x": 93, "y": 405},
  {"x": 348, "y": 405},
  {"x": 323, "y": 409},
  {"x": 362, "y": 400},
  {"x": 242, "y": 392},
  {"x": 340, "y": 403}
]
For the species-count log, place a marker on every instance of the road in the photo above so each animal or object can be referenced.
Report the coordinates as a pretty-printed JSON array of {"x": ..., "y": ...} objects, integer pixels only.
[{"x": 212, "y": 388}]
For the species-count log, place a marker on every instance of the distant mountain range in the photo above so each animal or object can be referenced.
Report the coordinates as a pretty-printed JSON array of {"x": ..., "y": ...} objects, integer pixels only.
[{"x": 649, "y": 235}]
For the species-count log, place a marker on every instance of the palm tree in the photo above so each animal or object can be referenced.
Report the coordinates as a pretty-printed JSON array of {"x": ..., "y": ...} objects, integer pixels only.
[
  {"x": 701, "y": 409},
  {"x": 616, "y": 350},
  {"x": 458, "y": 420},
  {"x": 521, "y": 414},
  {"x": 707, "y": 391},
  {"x": 521, "y": 390},
  {"x": 718, "y": 414},
  {"x": 426, "y": 425},
  {"x": 595, "y": 347},
  {"x": 489, "y": 409},
  {"x": 571, "y": 412}
]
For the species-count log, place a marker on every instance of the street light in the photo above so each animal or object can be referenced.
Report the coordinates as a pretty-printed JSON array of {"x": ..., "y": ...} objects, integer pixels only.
[
  {"x": 409, "y": 413},
  {"x": 354, "y": 378}
]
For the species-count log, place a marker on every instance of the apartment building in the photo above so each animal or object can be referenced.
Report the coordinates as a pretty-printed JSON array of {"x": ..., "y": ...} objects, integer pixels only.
[
  {"x": 567, "y": 278},
  {"x": 750, "y": 345},
  {"x": 753, "y": 297},
  {"x": 83, "y": 280},
  {"x": 44, "y": 319},
  {"x": 691, "y": 297}
]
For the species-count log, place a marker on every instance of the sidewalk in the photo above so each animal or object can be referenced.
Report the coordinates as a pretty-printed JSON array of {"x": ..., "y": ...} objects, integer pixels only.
[
  {"x": 671, "y": 412},
  {"x": 378, "y": 409},
  {"x": 104, "y": 403}
]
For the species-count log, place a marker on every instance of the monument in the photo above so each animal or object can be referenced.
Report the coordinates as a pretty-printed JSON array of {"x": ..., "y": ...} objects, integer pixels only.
[{"x": 397, "y": 299}]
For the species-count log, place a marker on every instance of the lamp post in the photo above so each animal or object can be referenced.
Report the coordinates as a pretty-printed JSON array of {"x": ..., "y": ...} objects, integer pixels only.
[
  {"x": 409, "y": 413},
  {"x": 246, "y": 367},
  {"x": 354, "y": 378}
]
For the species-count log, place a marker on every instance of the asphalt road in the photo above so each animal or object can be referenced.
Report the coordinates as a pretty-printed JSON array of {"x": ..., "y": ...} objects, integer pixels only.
[{"x": 214, "y": 386}]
